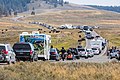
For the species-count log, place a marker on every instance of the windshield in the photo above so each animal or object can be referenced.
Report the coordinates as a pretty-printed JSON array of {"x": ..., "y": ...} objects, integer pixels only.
[
  {"x": 94, "y": 49},
  {"x": 22, "y": 46},
  {"x": 2, "y": 48},
  {"x": 81, "y": 49},
  {"x": 89, "y": 50}
]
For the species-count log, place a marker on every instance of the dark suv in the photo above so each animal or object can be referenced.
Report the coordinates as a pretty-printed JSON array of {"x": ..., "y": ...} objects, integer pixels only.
[{"x": 25, "y": 51}]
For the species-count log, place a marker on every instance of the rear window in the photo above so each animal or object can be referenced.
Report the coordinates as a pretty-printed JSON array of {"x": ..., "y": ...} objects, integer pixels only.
[
  {"x": 94, "y": 49},
  {"x": 86, "y": 27},
  {"x": 52, "y": 50},
  {"x": 81, "y": 49},
  {"x": 22, "y": 46},
  {"x": 2, "y": 48},
  {"x": 89, "y": 50}
]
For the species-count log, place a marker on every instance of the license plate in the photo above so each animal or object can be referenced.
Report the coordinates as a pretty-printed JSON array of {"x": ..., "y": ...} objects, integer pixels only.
[{"x": 21, "y": 53}]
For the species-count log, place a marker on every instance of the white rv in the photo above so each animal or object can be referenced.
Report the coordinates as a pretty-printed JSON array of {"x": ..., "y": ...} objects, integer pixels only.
[
  {"x": 41, "y": 43},
  {"x": 95, "y": 43}
]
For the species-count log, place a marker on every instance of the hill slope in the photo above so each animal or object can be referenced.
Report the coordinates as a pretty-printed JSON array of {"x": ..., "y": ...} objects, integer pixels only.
[{"x": 41, "y": 4}]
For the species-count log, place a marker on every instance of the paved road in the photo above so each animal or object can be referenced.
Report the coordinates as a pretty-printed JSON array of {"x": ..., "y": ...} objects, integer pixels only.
[{"x": 97, "y": 58}]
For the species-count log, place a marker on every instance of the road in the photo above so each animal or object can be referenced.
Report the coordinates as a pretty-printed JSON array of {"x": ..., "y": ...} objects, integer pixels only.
[{"x": 97, "y": 58}]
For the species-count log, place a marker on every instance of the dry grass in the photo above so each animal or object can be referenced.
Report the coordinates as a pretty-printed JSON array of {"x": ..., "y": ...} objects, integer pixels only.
[
  {"x": 78, "y": 17},
  {"x": 61, "y": 71},
  {"x": 111, "y": 34}
]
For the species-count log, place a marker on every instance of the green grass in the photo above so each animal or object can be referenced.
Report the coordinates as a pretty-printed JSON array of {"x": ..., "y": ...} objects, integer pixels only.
[{"x": 66, "y": 39}]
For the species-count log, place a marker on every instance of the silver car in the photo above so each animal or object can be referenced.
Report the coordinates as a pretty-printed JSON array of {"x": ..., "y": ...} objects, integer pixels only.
[
  {"x": 82, "y": 52},
  {"x": 6, "y": 54}
]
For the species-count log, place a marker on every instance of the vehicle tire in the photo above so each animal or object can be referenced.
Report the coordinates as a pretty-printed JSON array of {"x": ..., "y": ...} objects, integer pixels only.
[
  {"x": 14, "y": 62},
  {"x": 9, "y": 62},
  {"x": 100, "y": 52},
  {"x": 78, "y": 57},
  {"x": 118, "y": 59},
  {"x": 86, "y": 57},
  {"x": 36, "y": 59},
  {"x": 44, "y": 59},
  {"x": 57, "y": 59},
  {"x": 92, "y": 56},
  {"x": 110, "y": 57},
  {"x": 32, "y": 59}
]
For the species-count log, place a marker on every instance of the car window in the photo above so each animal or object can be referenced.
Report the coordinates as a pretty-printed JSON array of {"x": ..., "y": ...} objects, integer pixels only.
[
  {"x": 2, "y": 48},
  {"x": 94, "y": 49},
  {"x": 22, "y": 46},
  {"x": 9, "y": 48},
  {"x": 81, "y": 49},
  {"x": 89, "y": 50},
  {"x": 52, "y": 50}
]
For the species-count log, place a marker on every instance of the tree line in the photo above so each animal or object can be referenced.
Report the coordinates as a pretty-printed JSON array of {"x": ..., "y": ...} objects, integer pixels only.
[
  {"x": 56, "y": 2},
  {"x": 109, "y": 8},
  {"x": 8, "y": 6}
]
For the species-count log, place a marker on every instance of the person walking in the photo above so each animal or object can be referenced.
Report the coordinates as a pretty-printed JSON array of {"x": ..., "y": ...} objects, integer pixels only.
[{"x": 63, "y": 51}]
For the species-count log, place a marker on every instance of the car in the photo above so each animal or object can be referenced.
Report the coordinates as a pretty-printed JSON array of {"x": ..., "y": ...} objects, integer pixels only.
[
  {"x": 87, "y": 32},
  {"x": 54, "y": 54},
  {"x": 96, "y": 51},
  {"x": 85, "y": 28},
  {"x": 7, "y": 54},
  {"x": 70, "y": 56},
  {"x": 114, "y": 54},
  {"x": 25, "y": 51},
  {"x": 89, "y": 52},
  {"x": 89, "y": 36},
  {"x": 75, "y": 53},
  {"x": 82, "y": 52}
]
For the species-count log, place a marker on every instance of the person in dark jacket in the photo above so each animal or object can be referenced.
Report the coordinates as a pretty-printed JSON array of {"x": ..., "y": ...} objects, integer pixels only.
[{"x": 63, "y": 51}]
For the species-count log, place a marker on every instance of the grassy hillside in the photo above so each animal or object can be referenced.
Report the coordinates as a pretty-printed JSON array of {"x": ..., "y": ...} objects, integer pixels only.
[
  {"x": 67, "y": 39},
  {"x": 61, "y": 71},
  {"x": 111, "y": 34},
  {"x": 79, "y": 17}
]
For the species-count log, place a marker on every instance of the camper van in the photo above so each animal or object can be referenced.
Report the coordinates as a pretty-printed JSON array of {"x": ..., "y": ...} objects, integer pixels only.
[{"x": 41, "y": 43}]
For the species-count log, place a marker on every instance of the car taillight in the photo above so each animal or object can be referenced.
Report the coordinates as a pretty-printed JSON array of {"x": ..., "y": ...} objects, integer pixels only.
[
  {"x": 5, "y": 52},
  {"x": 53, "y": 53},
  {"x": 31, "y": 52}
]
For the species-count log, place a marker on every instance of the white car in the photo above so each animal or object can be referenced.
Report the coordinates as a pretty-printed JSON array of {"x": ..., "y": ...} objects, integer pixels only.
[
  {"x": 7, "y": 54},
  {"x": 96, "y": 51},
  {"x": 89, "y": 52},
  {"x": 85, "y": 52},
  {"x": 81, "y": 52}
]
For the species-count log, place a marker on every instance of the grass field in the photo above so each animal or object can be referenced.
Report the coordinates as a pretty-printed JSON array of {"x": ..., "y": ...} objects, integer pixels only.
[
  {"x": 61, "y": 71},
  {"x": 66, "y": 38},
  {"x": 78, "y": 17},
  {"x": 111, "y": 34}
]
